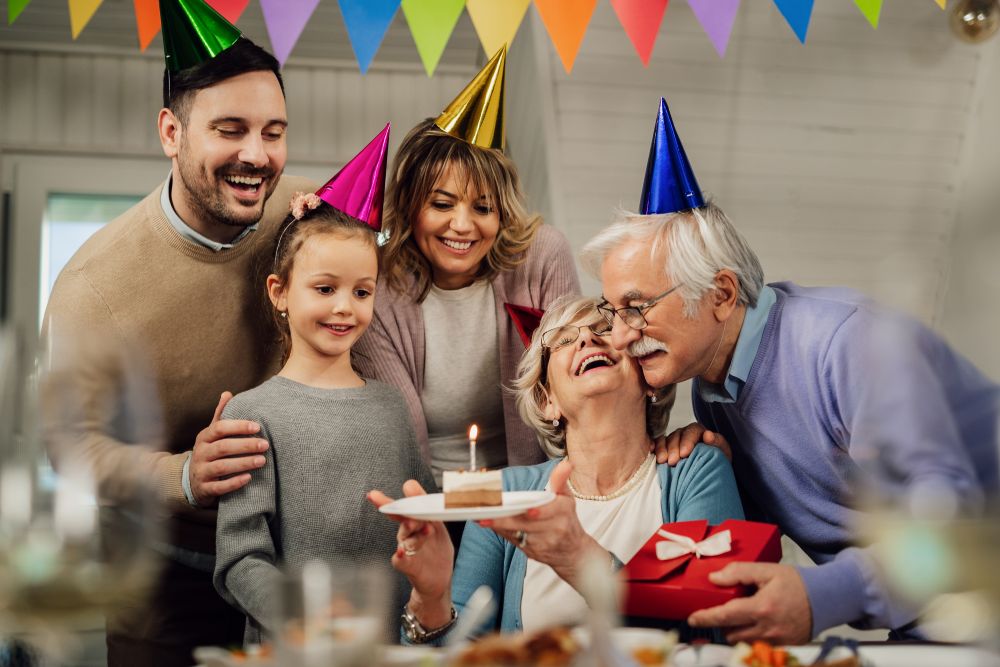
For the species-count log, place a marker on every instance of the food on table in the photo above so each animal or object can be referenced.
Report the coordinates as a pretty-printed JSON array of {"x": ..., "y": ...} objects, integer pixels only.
[
  {"x": 554, "y": 647},
  {"x": 472, "y": 488},
  {"x": 762, "y": 654}
]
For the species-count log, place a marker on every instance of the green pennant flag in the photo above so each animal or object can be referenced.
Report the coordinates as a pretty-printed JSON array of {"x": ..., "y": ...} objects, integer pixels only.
[
  {"x": 871, "y": 9},
  {"x": 14, "y": 9},
  {"x": 431, "y": 24}
]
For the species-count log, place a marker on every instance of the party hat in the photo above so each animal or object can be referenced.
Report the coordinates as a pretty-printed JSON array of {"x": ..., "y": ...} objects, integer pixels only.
[
  {"x": 193, "y": 32},
  {"x": 359, "y": 188},
  {"x": 670, "y": 185},
  {"x": 526, "y": 319},
  {"x": 476, "y": 115}
]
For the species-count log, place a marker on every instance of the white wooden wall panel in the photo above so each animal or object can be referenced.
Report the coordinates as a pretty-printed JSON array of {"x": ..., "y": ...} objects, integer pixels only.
[{"x": 107, "y": 103}]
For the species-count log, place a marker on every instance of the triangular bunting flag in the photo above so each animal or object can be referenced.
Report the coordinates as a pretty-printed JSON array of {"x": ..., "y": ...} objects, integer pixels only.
[
  {"x": 641, "y": 20},
  {"x": 566, "y": 21},
  {"x": 797, "y": 13},
  {"x": 495, "y": 22},
  {"x": 526, "y": 319},
  {"x": 147, "y": 21},
  {"x": 871, "y": 9},
  {"x": 14, "y": 9},
  {"x": 716, "y": 18},
  {"x": 367, "y": 21},
  {"x": 231, "y": 10},
  {"x": 431, "y": 24},
  {"x": 285, "y": 20},
  {"x": 941, "y": 3},
  {"x": 80, "y": 13}
]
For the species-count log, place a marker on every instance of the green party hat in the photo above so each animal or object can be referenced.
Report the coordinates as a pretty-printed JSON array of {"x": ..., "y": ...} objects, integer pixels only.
[{"x": 193, "y": 32}]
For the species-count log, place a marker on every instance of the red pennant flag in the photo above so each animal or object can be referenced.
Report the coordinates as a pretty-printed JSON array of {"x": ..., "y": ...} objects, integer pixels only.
[
  {"x": 526, "y": 320},
  {"x": 641, "y": 20}
]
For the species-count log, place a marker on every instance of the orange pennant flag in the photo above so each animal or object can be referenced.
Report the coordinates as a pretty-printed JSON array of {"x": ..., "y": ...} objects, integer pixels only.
[
  {"x": 80, "y": 13},
  {"x": 496, "y": 21},
  {"x": 147, "y": 21},
  {"x": 566, "y": 21}
]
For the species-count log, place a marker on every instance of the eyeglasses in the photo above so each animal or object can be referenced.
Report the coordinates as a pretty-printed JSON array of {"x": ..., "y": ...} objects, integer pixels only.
[
  {"x": 553, "y": 339},
  {"x": 632, "y": 315}
]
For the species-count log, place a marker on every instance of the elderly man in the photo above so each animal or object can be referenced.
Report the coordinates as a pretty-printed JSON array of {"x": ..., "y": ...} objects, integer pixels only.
[
  {"x": 175, "y": 278},
  {"x": 814, "y": 388}
]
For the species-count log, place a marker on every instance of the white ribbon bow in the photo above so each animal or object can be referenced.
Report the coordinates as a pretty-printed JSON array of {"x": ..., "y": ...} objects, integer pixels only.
[{"x": 674, "y": 546}]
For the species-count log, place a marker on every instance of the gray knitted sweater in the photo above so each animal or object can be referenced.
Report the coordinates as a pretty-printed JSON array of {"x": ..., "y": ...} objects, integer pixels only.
[{"x": 329, "y": 447}]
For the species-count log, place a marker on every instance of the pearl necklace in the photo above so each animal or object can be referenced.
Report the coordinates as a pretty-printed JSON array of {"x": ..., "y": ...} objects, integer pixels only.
[{"x": 629, "y": 484}]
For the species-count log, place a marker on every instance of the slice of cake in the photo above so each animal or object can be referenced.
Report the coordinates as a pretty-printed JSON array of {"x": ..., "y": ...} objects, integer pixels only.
[{"x": 472, "y": 489}]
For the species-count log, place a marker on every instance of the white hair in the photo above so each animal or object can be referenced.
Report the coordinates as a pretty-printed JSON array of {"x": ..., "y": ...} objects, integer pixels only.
[
  {"x": 699, "y": 243},
  {"x": 530, "y": 387}
]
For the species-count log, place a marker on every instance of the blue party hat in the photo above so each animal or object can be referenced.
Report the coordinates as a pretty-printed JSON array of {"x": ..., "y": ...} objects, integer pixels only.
[{"x": 670, "y": 185}]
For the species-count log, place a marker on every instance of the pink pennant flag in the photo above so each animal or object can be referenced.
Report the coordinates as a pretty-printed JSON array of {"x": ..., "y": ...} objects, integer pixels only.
[
  {"x": 641, "y": 20},
  {"x": 285, "y": 20},
  {"x": 716, "y": 18}
]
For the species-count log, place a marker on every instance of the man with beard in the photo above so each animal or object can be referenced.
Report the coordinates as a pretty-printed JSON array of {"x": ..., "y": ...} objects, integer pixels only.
[
  {"x": 176, "y": 279},
  {"x": 815, "y": 389}
]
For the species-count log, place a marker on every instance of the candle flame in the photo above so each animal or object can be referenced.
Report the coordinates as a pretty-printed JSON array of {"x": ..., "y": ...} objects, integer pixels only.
[{"x": 473, "y": 432}]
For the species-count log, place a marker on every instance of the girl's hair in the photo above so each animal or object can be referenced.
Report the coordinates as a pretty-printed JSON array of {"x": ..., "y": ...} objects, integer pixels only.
[
  {"x": 293, "y": 234},
  {"x": 424, "y": 155},
  {"x": 530, "y": 388}
]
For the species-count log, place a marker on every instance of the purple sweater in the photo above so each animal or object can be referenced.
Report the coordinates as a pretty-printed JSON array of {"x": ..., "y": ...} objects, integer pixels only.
[
  {"x": 842, "y": 391},
  {"x": 392, "y": 350}
]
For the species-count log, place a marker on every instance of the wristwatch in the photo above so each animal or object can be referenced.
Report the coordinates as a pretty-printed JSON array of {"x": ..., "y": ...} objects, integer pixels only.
[{"x": 416, "y": 633}]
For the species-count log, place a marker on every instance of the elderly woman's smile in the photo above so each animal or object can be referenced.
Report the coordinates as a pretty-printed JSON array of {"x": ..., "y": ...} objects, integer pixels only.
[{"x": 593, "y": 362}]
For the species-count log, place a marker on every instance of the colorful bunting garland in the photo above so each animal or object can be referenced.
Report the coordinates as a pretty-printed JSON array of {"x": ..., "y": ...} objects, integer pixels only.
[
  {"x": 566, "y": 22},
  {"x": 641, "y": 20},
  {"x": 367, "y": 21},
  {"x": 496, "y": 22},
  {"x": 797, "y": 13},
  {"x": 716, "y": 18},
  {"x": 431, "y": 24}
]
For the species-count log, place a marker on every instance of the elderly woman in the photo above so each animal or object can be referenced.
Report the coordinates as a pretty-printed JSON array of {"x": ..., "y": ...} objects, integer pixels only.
[
  {"x": 589, "y": 404},
  {"x": 462, "y": 245}
]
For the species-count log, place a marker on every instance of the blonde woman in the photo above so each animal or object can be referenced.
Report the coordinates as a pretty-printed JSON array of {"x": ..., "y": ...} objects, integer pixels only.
[
  {"x": 461, "y": 246},
  {"x": 590, "y": 405}
]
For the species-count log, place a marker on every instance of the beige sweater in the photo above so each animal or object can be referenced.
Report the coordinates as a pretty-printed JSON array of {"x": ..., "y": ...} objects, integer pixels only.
[{"x": 141, "y": 313}]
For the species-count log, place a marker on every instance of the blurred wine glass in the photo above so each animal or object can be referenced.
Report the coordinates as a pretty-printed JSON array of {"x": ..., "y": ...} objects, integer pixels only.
[
  {"x": 331, "y": 615},
  {"x": 67, "y": 554}
]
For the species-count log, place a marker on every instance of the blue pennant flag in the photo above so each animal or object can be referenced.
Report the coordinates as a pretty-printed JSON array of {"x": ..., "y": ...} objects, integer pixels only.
[
  {"x": 797, "y": 13},
  {"x": 367, "y": 21}
]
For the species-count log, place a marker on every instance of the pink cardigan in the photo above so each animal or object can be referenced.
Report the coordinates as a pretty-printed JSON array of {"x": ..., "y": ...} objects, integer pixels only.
[{"x": 392, "y": 350}]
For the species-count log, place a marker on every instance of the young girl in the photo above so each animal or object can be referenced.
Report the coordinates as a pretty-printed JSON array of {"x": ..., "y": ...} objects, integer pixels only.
[{"x": 332, "y": 434}]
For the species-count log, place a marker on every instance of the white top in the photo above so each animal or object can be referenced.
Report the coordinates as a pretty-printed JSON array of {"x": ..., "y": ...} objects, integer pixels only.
[
  {"x": 462, "y": 377},
  {"x": 621, "y": 525},
  {"x": 472, "y": 481}
]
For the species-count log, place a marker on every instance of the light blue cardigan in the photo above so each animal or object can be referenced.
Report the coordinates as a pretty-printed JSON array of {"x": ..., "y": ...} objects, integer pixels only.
[{"x": 699, "y": 487}]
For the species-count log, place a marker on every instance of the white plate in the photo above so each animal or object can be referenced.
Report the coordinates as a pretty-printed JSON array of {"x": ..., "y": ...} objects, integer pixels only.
[
  {"x": 431, "y": 507},
  {"x": 878, "y": 655}
]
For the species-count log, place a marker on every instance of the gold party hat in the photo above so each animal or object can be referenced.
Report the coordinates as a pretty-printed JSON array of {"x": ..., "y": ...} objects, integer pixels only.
[{"x": 476, "y": 115}]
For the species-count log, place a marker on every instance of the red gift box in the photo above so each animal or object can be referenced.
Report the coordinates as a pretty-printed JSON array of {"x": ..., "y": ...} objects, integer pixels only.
[{"x": 675, "y": 588}]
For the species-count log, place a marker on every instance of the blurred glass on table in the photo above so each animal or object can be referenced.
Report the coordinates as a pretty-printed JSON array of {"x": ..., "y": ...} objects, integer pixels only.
[{"x": 68, "y": 553}]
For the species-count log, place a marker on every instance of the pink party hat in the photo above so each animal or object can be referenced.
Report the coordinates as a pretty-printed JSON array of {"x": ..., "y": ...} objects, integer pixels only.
[{"x": 359, "y": 188}]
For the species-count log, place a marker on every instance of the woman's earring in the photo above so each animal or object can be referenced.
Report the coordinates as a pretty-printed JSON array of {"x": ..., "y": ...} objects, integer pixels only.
[
  {"x": 652, "y": 398},
  {"x": 282, "y": 313},
  {"x": 555, "y": 423}
]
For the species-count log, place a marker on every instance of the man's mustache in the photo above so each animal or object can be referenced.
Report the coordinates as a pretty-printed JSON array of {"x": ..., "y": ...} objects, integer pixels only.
[{"x": 646, "y": 345}]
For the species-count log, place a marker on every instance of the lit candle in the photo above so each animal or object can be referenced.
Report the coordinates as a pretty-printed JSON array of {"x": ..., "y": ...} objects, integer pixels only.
[{"x": 473, "y": 434}]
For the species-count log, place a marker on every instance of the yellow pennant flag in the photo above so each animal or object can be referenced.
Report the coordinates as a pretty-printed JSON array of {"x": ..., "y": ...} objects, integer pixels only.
[
  {"x": 496, "y": 21},
  {"x": 80, "y": 13},
  {"x": 941, "y": 3}
]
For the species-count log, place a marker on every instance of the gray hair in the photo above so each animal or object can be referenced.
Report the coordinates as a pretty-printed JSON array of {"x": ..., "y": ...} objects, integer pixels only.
[
  {"x": 532, "y": 395},
  {"x": 699, "y": 243}
]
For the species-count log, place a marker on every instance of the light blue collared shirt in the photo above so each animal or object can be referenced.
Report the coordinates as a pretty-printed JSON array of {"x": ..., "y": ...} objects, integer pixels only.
[
  {"x": 744, "y": 354},
  {"x": 186, "y": 231}
]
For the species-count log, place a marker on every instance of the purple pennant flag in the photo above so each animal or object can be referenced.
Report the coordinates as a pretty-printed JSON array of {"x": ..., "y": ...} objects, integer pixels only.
[
  {"x": 716, "y": 18},
  {"x": 367, "y": 21},
  {"x": 285, "y": 20}
]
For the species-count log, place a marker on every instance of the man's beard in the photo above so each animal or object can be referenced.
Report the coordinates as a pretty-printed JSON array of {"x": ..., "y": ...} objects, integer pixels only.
[
  {"x": 208, "y": 198},
  {"x": 646, "y": 345}
]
